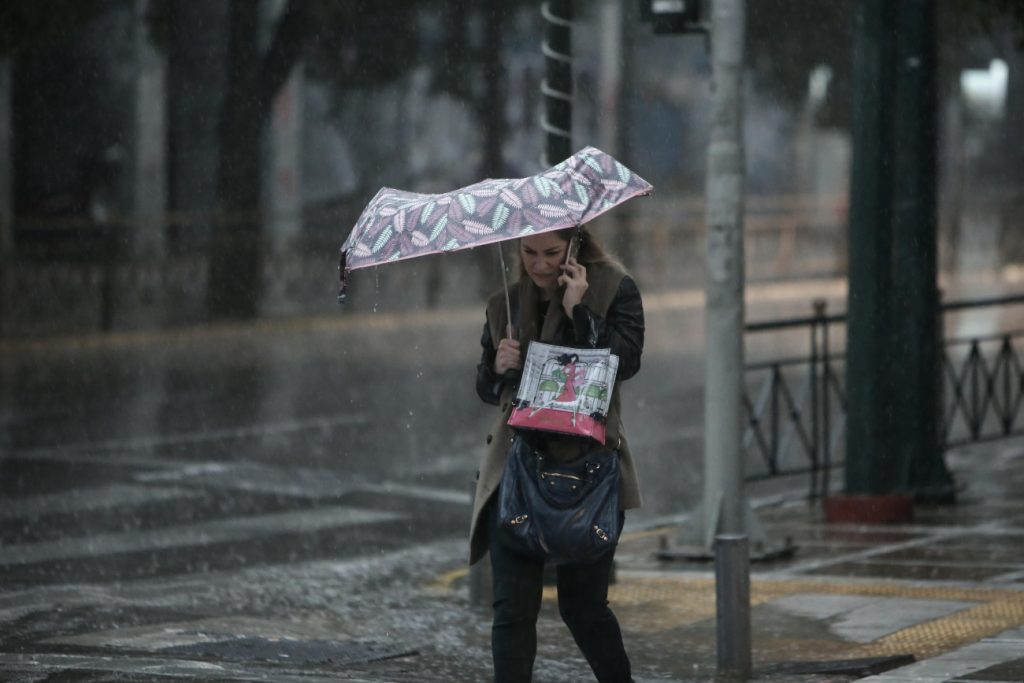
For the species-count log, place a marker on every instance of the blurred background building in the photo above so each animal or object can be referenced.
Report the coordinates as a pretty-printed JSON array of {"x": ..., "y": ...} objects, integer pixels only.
[{"x": 165, "y": 162}]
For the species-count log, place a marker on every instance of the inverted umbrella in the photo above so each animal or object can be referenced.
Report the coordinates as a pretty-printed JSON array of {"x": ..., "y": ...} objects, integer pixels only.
[{"x": 398, "y": 225}]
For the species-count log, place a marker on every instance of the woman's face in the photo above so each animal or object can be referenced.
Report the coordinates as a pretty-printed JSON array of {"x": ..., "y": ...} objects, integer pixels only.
[{"x": 542, "y": 255}]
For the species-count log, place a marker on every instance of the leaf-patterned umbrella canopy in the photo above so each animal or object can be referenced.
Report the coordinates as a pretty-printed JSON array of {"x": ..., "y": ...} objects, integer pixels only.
[{"x": 398, "y": 225}]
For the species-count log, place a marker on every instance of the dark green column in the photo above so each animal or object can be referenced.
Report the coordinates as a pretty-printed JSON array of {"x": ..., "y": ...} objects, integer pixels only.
[
  {"x": 893, "y": 372},
  {"x": 868, "y": 470},
  {"x": 915, "y": 300}
]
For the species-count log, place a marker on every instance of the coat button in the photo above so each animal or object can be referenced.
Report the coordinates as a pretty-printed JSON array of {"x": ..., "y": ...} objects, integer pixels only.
[{"x": 490, "y": 438}]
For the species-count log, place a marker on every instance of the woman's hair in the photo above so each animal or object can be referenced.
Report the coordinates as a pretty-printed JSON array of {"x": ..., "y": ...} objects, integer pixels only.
[{"x": 591, "y": 249}]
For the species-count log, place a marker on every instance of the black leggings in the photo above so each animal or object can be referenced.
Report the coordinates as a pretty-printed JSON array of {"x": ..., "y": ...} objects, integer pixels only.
[{"x": 582, "y": 603}]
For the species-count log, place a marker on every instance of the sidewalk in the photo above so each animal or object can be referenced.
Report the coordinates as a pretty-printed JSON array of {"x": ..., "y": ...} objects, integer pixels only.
[{"x": 941, "y": 599}]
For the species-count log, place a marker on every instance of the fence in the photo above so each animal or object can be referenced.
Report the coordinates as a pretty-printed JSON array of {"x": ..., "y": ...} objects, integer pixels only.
[
  {"x": 983, "y": 381},
  {"x": 796, "y": 407}
]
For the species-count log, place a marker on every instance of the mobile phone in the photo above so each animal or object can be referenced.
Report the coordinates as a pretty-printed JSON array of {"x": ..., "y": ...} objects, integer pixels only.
[{"x": 574, "y": 247}]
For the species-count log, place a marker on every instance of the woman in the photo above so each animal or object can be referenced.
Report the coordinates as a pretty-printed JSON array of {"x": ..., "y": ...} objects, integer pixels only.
[{"x": 584, "y": 302}]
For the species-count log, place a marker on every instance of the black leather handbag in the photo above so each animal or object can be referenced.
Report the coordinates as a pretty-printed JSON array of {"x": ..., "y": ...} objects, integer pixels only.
[{"x": 563, "y": 514}]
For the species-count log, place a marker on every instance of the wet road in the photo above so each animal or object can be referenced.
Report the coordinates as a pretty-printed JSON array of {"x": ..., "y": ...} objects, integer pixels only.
[
  {"x": 295, "y": 472},
  {"x": 262, "y": 441},
  {"x": 285, "y": 478}
]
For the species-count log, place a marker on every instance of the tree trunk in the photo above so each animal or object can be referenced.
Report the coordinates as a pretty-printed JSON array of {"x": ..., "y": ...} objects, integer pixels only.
[
  {"x": 492, "y": 117},
  {"x": 6, "y": 186},
  {"x": 492, "y": 108},
  {"x": 235, "y": 285}
]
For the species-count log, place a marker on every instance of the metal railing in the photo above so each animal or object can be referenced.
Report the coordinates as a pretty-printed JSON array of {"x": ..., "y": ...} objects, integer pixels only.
[{"x": 796, "y": 407}]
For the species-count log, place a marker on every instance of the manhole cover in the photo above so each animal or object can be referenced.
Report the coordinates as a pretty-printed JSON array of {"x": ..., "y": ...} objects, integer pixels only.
[{"x": 294, "y": 651}]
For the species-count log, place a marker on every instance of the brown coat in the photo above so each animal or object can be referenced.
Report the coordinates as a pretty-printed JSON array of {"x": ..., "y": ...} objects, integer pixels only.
[{"x": 603, "y": 284}]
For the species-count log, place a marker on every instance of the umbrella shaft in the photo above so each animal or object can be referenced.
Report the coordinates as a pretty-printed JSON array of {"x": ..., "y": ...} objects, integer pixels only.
[{"x": 508, "y": 301}]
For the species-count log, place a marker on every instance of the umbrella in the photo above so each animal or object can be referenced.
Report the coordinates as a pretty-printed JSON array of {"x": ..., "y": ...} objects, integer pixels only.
[{"x": 398, "y": 225}]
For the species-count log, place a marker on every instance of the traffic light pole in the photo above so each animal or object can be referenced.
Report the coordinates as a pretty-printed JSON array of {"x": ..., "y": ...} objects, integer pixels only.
[{"x": 725, "y": 508}]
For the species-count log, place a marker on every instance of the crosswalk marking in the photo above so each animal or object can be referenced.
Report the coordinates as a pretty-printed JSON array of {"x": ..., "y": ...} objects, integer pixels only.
[
  {"x": 86, "y": 500},
  {"x": 66, "y": 451},
  {"x": 201, "y": 533},
  {"x": 419, "y": 492}
]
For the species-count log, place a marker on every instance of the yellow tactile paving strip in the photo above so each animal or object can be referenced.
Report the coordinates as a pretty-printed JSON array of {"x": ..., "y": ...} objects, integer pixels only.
[
  {"x": 670, "y": 602},
  {"x": 649, "y": 605}
]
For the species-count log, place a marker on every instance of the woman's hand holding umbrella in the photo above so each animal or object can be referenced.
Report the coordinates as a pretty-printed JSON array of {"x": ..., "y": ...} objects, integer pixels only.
[{"x": 508, "y": 357}]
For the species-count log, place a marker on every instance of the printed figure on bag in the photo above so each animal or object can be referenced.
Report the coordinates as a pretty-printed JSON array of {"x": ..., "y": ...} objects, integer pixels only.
[
  {"x": 568, "y": 384},
  {"x": 565, "y": 390}
]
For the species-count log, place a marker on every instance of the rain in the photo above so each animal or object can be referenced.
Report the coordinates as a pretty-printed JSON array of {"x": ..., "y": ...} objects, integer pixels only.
[{"x": 240, "y": 421}]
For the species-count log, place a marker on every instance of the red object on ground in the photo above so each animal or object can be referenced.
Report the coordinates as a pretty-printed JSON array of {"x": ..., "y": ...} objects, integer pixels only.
[{"x": 892, "y": 508}]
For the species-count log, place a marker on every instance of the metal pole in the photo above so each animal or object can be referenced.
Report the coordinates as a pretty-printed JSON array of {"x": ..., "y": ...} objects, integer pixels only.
[
  {"x": 724, "y": 508},
  {"x": 509, "y": 326},
  {"x": 557, "y": 86},
  {"x": 821, "y": 307},
  {"x": 816, "y": 472},
  {"x": 732, "y": 606},
  {"x": 724, "y": 504}
]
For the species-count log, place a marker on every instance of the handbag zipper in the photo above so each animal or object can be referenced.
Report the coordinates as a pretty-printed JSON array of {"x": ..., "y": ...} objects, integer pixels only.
[{"x": 561, "y": 474}]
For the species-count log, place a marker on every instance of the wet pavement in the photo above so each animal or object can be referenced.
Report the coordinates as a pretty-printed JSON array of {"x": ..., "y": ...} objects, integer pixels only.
[
  {"x": 288, "y": 502},
  {"x": 946, "y": 590}
]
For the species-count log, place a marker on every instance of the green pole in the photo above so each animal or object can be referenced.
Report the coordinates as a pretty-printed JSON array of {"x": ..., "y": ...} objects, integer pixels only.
[
  {"x": 916, "y": 321},
  {"x": 893, "y": 349},
  {"x": 868, "y": 469}
]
